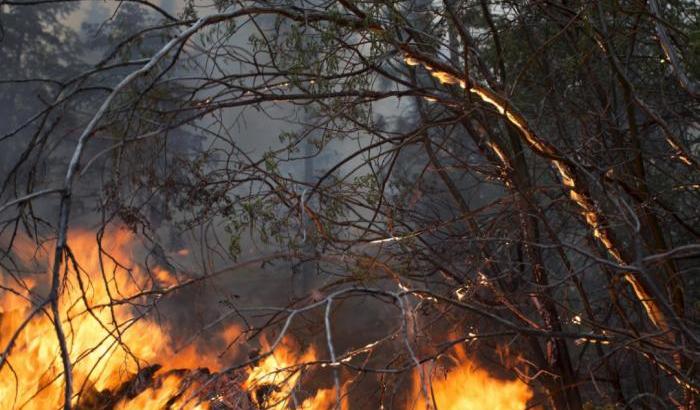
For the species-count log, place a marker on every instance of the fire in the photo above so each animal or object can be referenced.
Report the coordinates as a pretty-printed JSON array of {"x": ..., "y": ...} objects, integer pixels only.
[
  {"x": 115, "y": 346},
  {"x": 467, "y": 387},
  {"x": 170, "y": 394},
  {"x": 111, "y": 342},
  {"x": 108, "y": 345},
  {"x": 272, "y": 382}
]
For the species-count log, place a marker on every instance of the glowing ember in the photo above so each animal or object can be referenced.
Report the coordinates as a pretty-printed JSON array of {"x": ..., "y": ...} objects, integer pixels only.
[{"x": 467, "y": 387}]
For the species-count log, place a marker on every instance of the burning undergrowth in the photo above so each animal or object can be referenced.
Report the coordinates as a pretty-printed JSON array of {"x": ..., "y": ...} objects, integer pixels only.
[{"x": 123, "y": 358}]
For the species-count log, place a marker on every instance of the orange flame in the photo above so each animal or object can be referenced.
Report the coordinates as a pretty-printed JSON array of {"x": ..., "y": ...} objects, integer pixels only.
[
  {"x": 110, "y": 342},
  {"x": 324, "y": 399},
  {"x": 272, "y": 382},
  {"x": 107, "y": 345},
  {"x": 169, "y": 394},
  {"x": 466, "y": 387}
]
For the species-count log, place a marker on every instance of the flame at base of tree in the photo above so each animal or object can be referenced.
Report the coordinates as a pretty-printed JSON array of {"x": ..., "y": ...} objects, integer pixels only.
[
  {"x": 109, "y": 341},
  {"x": 273, "y": 381},
  {"x": 122, "y": 359},
  {"x": 468, "y": 387}
]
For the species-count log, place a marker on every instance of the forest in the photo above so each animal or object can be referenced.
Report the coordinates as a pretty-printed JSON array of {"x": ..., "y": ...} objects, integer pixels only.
[{"x": 349, "y": 204}]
